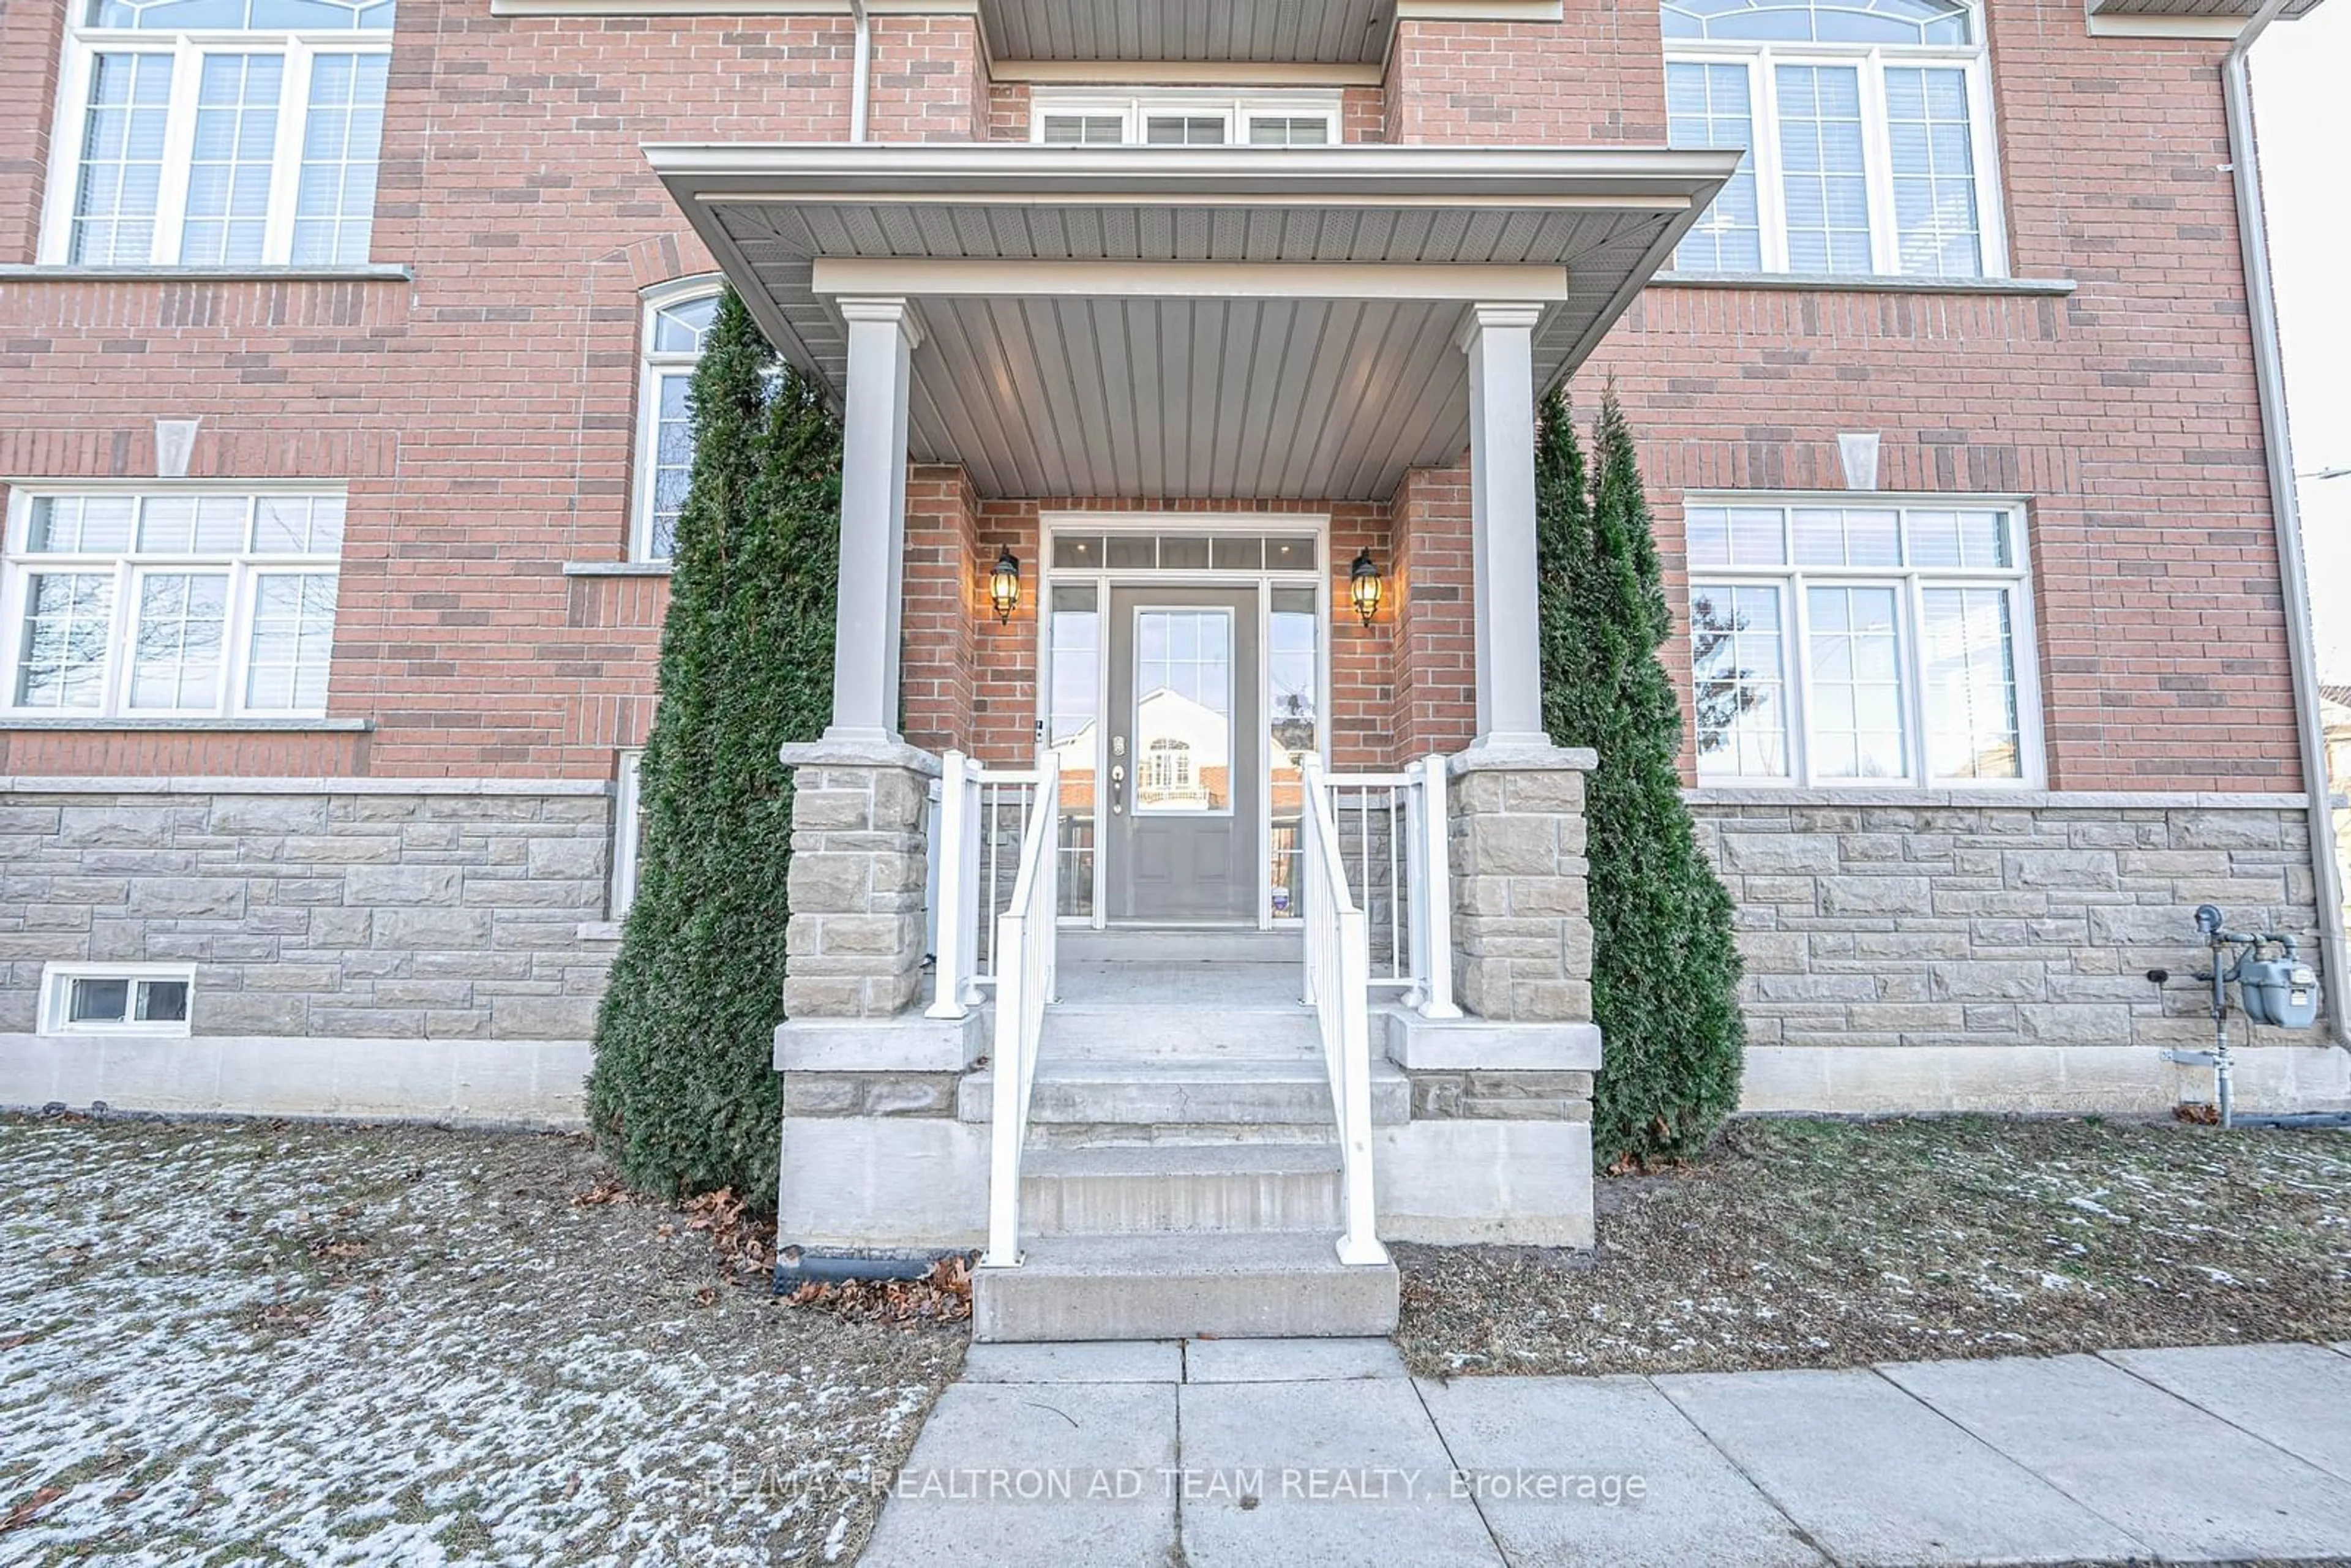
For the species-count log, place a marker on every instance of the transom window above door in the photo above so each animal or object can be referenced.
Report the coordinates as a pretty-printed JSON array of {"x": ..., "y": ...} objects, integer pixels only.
[
  {"x": 1868, "y": 126},
  {"x": 1185, "y": 119},
  {"x": 218, "y": 133}
]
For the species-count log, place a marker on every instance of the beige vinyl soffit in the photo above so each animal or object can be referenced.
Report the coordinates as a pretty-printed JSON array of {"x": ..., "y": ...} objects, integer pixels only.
[
  {"x": 1190, "y": 280},
  {"x": 1183, "y": 73}
]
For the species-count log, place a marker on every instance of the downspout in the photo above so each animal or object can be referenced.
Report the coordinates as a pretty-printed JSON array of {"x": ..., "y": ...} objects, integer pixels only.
[
  {"x": 860, "y": 68},
  {"x": 2269, "y": 376}
]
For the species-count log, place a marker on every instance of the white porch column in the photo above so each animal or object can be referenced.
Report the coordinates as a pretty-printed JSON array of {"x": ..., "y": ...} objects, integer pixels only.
[
  {"x": 882, "y": 337},
  {"x": 1500, "y": 342}
]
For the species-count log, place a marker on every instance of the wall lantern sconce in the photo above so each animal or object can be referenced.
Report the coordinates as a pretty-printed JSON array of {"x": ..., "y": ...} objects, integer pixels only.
[
  {"x": 1004, "y": 587},
  {"x": 1364, "y": 587}
]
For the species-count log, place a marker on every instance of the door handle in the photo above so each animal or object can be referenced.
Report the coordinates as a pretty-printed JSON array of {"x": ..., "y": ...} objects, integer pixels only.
[{"x": 1117, "y": 788}]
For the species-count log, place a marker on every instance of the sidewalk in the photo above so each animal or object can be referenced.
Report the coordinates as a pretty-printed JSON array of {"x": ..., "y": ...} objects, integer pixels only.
[{"x": 1298, "y": 1452}]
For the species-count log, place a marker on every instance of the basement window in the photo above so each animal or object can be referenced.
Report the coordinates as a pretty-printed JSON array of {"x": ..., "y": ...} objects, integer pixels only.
[{"x": 126, "y": 999}]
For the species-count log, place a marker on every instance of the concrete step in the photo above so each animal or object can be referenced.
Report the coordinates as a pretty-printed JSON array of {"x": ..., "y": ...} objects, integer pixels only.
[
  {"x": 1181, "y": 1093},
  {"x": 1090, "y": 1031},
  {"x": 1249, "y": 1286},
  {"x": 1185, "y": 944},
  {"x": 1128, "y": 1189}
]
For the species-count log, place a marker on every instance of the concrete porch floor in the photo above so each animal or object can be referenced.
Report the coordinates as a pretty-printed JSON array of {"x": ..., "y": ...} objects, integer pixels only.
[{"x": 1209, "y": 1453}]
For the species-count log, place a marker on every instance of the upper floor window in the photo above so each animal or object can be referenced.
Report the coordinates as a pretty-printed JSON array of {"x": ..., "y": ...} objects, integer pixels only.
[
  {"x": 219, "y": 133},
  {"x": 178, "y": 604},
  {"x": 1185, "y": 119},
  {"x": 1859, "y": 644},
  {"x": 676, "y": 325},
  {"x": 1867, "y": 129}
]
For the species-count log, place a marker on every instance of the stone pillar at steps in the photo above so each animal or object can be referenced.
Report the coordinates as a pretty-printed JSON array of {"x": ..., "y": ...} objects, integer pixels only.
[
  {"x": 1498, "y": 1148},
  {"x": 876, "y": 1169},
  {"x": 1521, "y": 924}
]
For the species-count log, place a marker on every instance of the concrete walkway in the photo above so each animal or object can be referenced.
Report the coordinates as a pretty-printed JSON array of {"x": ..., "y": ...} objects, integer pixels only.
[{"x": 1299, "y": 1452}]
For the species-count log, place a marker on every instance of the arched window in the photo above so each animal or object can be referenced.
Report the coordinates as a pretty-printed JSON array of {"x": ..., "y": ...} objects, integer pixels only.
[
  {"x": 1867, "y": 129},
  {"x": 676, "y": 325}
]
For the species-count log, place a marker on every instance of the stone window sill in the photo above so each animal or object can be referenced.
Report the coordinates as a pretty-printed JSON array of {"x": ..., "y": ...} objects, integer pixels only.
[
  {"x": 190, "y": 726},
  {"x": 15, "y": 272},
  {"x": 1863, "y": 283},
  {"x": 598, "y": 931},
  {"x": 616, "y": 568}
]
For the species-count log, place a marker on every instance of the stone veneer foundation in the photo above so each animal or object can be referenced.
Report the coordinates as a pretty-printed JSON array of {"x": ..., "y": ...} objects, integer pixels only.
[
  {"x": 360, "y": 947},
  {"x": 1948, "y": 950}
]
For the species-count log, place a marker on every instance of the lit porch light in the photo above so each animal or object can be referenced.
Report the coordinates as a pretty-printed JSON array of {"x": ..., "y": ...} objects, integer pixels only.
[
  {"x": 1004, "y": 586},
  {"x": 1363, "y": 586}
]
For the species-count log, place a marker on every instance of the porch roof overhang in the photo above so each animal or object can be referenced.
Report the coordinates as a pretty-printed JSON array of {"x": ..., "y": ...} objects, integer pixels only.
[{"x": 1237, "y": 322}]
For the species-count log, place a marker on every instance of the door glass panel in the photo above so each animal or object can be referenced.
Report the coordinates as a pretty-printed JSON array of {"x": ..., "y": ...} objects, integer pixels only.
[
  {"x": 1183, "y": 711},
  {"x": 1293, "y": 668},
  {"x": 1073, "y": 727}
]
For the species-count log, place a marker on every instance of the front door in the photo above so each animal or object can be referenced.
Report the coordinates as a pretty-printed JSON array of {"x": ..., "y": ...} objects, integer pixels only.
[{"x": 1186, "y": 764}]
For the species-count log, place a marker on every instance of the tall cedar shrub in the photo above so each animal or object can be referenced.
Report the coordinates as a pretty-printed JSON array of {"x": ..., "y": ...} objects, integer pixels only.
[
  {"x": 682, "y": 1095},
  {"x": 1665, "y": 984}
]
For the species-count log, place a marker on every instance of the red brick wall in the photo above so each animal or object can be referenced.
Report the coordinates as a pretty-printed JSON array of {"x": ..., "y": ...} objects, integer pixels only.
[
  {"x": 1596, "y": 80},
  {"x": 1434, "y": 705},
  {"x": 946, "y": 601},
  {"x": 483, "y": 415},
  {"x": 2126, "y": 412},
  {"x": 32, "y": 49}
]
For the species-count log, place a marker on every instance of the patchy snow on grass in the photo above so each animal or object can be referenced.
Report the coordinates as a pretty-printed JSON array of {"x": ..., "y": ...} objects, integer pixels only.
[
  {"x": 1806, "y": 1243},
  {"x": 231, "y": 1344}
]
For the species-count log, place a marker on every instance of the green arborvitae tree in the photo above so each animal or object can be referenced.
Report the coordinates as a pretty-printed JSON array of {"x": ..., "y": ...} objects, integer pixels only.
[
  {"x": 1665, "y": 984},
  {"x": 683, "y": 1094}
]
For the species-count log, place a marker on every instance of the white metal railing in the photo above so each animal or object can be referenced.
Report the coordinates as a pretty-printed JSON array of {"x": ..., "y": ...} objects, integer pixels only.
[
  {"x": 1026, "y": 953},
  {"x": 1393, "y": 853},
  {"x": 975, "y": 852},
  {"x": 1338, "y": 988}
]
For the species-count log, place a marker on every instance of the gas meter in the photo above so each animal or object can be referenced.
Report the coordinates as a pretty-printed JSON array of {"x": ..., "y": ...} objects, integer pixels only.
[{"x": 2280, "y": 991}]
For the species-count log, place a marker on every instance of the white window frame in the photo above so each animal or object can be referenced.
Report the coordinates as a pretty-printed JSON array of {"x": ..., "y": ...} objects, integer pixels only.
[
  {"x": 628, "y": 813},
  {"x": 1909, "y": 582},
  {"x": 57, "y": 989},
  {"x": 1321, "y": 578},
  {"x": 85, "y": 44},
  {"x": 1761, "y": 59},
  {"x": 1236, "y": 110},
  {"x": 652, "y": 369},
  {"x": 19, "y": 565}
]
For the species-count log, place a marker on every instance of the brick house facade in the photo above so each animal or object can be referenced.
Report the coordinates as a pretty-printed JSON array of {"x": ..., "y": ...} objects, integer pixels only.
[{"x": 387, "y": 882}]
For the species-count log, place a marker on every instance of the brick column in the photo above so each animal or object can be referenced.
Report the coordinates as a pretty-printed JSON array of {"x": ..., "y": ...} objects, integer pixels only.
[
  {"x": 860, "y": 839},
  {"x": 1521, "y": 930}
]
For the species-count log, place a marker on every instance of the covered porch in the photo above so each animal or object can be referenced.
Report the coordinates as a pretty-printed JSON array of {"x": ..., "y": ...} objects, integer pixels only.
[{"x": 1126, "y": 431}]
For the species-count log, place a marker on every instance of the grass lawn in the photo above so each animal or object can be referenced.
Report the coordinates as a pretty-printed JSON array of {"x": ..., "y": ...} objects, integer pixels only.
[
  {"x": 1821, "y": 1243},
  {"x": 255, "y": 1343},
  {"x": 273, "y": 1343}
]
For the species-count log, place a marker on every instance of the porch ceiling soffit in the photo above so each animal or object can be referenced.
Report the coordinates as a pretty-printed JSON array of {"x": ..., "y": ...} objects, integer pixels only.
[{"x": 1227, "y": 322}]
